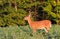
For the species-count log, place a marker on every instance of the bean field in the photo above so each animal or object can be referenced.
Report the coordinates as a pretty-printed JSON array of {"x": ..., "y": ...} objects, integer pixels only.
[{"x": 24, "y": 32}]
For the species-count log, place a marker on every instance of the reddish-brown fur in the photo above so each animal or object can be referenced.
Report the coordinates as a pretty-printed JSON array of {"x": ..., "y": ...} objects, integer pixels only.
[{"x": 34, "y": 25}]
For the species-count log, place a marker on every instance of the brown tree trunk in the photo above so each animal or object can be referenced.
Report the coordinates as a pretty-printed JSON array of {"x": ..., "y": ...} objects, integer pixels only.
[
  {"x": 9, "y": 3},
  {"x": 15, "y": 6},
  {"x": 43, "y": 16}
]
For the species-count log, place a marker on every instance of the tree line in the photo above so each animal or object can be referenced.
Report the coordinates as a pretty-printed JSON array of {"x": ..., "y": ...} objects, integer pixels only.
[{"x": 12, "y": 12}]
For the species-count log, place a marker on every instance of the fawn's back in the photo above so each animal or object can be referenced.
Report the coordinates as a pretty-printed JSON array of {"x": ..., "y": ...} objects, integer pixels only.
[{"x": 40, "y": 24}]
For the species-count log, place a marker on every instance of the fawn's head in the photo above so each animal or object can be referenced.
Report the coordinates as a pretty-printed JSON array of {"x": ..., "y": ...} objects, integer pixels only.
[{"x": 27, "y": 17}]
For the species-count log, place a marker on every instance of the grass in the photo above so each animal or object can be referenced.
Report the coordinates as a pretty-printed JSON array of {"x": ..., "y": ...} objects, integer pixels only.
[{"x": 24, "y": 32}]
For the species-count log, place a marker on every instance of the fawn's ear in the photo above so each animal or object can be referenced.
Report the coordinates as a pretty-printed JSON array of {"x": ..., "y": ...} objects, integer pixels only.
[{"x": 29, "y": 14}]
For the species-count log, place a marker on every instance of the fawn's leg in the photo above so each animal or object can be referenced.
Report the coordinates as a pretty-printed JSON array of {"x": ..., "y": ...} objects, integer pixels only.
[
  {"x": 34, "y": 32},
  {"x": 46, "y": 30}
]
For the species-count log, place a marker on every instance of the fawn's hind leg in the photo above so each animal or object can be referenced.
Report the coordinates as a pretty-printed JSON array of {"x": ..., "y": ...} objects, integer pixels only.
[{"x": 46, "y": 30}]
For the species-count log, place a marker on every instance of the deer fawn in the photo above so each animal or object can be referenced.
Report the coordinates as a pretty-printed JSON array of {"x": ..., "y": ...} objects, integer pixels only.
[{"x": 34, "y": 25}]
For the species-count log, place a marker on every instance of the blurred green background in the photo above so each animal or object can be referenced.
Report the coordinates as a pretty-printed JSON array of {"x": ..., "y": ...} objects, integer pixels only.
[{"x": 12, "y": 12}]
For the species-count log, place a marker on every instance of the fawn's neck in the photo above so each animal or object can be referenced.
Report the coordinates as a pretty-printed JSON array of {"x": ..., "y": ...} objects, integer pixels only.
[{"x": 29, "y": 21}]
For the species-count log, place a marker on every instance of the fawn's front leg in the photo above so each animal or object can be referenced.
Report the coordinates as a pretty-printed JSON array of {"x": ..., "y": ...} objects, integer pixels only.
[{"x": 33, "y": 32}]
